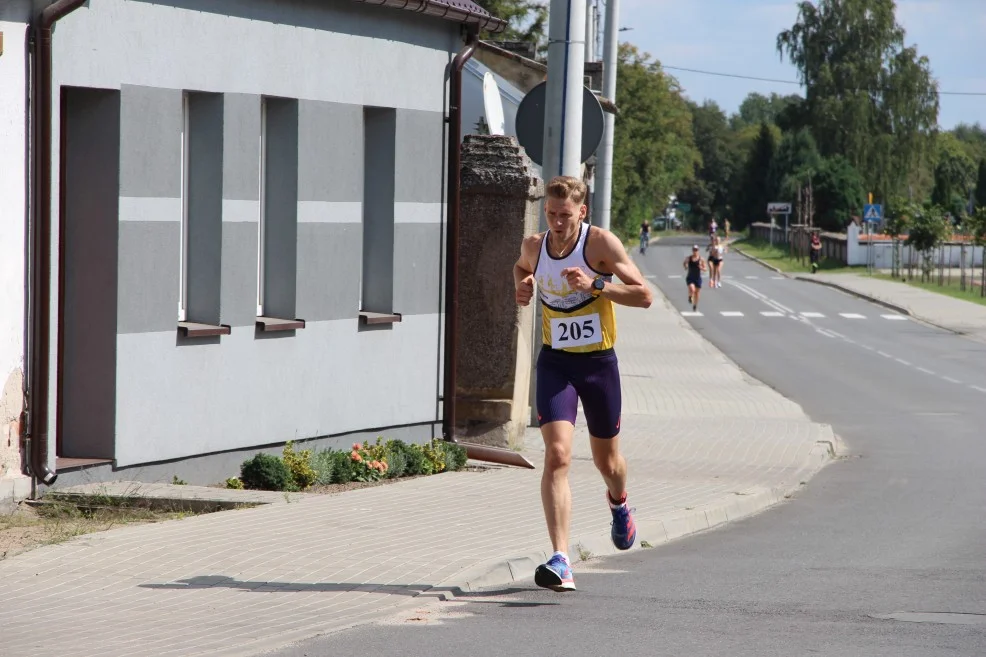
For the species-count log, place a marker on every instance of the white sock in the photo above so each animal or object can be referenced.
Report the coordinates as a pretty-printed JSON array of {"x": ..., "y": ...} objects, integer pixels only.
[{"x": 560, "y": 554}]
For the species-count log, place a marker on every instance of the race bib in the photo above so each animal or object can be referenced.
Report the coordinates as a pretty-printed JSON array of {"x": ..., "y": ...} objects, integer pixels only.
[{"x": 577, "y": 331}]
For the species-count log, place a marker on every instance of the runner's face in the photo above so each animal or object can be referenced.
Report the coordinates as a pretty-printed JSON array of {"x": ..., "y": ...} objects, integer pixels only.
[{"x": 563, "y": 215}]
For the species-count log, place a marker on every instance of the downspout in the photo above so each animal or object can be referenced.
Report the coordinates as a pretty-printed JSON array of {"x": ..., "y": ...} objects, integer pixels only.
[
  {"x": 452, "y": 240},
  {"x": 40, "y": 303}
]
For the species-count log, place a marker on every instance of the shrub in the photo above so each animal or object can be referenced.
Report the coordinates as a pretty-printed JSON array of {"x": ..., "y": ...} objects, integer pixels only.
[
  {"x": 342, "y": 468},
  {"x": 323, "y": 463},
  {"x": 435, "y": 453},
  {"x": 417, "y": 462},
  {"x": 265, "y": 472},
  {"x": 299, "y": 464},
  {"x": 396, "y": 463},
  {"x": 455, "y": 457},
  {"x": 365, "y": 465},
  {"x": 234, "y": 483}
]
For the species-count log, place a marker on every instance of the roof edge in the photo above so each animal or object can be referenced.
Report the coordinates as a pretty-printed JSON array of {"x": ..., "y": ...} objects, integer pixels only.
[{"x": 440, "y": 9}]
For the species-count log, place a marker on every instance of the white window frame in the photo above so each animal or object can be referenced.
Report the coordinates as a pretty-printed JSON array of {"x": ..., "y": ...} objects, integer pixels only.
[
  {"x": 262, "y": 216},
  {"x": 183, "y": 257}
]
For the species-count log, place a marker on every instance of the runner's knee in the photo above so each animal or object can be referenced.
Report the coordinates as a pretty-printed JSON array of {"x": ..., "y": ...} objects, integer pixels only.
[{"x": 557, "y": 456}]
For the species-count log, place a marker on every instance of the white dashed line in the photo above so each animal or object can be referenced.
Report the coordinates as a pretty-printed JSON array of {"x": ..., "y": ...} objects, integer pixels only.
[
  {"x": 771, "y": 313},
  {"x": 895, "y": 317},
  {"x": 978, "y": 388},
  {"x": 950, "y": 379},
  {"x": 867, "y": 347},
  {"x": 813, "y": 315},
  {"x": 902, "y": 361},
  {"x": 752, "y": 278},
  {"x": 852, "y": 315},
  {"x": 649, "y": 276},
  {"x": 827, "y": 334},
  {"x": 691, "y": 314},
  {"x": 731, "y": 313},
  {"x": 925, "y": 371},
  {"x": 884, "y": 354},
  {"x": 675, "y": 276},
  {"x": 777, "y": 278}
]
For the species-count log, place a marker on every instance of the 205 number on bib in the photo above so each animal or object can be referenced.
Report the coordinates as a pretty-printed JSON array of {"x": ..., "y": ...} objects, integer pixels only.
[{"x": 578, "y": 331}]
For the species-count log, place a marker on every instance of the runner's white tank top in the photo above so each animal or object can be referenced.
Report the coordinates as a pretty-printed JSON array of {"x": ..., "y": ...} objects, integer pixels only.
[{"x": 571, "y": 320}]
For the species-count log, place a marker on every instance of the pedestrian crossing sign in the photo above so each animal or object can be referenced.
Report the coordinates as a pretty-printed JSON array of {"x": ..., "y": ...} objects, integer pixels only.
[{"x": 872, "y": 212}]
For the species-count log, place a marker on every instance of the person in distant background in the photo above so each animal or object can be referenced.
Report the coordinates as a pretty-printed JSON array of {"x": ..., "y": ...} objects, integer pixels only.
[
  {"x": 644, "y": 236},
  {"x": 725, "y": 229},
  {"x": 816, "y": 251}
]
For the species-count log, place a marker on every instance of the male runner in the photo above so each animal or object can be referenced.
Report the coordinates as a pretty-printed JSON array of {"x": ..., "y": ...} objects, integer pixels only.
[
  {"x": 695, "y": 266},
  {"x": 574, "y": 264}
]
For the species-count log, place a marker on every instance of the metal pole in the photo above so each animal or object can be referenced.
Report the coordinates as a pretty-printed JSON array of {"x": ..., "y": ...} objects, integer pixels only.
[
  {"x": 603, "y": 201},
  {"x": 590, "y": 36}
]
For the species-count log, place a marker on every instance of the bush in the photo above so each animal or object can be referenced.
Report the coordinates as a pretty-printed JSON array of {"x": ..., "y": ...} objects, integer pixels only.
[
  {"x": 396, "y": 462},
  {"x": 234, "y": 483},
  {"x": 455, "y": 457},
  {"x": 342, "y": 468},
  {"x": 417, "y": 462},
  {"x": 323, "y": 463},
  {"x": 265, "y": 472},
  {"x": 299, "y": 464},
  {"x": 435, "y": 453}
]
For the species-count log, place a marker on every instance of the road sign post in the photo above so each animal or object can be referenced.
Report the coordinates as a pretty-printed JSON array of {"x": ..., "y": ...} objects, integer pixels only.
[
  {"x": 872, "y": 214},
  {"x": 775, "y": 209}
]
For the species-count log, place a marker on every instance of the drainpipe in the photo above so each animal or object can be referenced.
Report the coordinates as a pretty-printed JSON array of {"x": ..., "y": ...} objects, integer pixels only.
[
  {"x": 452, "y": 240},
  {"x": 40, "y": 300}
]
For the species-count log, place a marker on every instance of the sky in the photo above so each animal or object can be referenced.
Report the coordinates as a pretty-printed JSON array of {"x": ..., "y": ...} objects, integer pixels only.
[{"x": 739, "y": 37}]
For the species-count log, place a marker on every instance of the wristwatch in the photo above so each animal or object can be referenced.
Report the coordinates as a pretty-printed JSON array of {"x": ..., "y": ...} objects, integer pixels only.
[{"x": 597, "y": 286}]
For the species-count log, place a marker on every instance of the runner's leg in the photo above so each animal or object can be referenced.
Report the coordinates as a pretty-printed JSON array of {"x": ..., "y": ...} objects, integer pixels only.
[{"x": 556, "y": 494}]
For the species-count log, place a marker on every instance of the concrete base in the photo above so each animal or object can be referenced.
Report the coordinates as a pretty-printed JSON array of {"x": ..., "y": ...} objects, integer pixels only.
[
  {"x": 211, "y": 469},
  {"x": 13, "y": 489}
]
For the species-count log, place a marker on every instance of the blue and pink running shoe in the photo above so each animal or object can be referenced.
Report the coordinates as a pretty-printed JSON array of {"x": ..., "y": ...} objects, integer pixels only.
[
  {"x": 624, "y": 531},
  {"x": 555, "y": 575}
]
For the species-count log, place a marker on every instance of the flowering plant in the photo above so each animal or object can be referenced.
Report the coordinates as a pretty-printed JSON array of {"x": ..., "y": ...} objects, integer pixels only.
[{"x": 366, "y": 464}]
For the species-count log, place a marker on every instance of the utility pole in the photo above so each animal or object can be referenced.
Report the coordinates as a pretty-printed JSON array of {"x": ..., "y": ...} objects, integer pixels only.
[
  {"x": 590, "y": 33},
  {"x": 603, "y": 200}
]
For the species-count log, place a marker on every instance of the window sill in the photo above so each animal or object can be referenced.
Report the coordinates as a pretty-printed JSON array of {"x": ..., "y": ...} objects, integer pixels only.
[
  {"x": 196, "y": 330},
  {"x": 370, "y": 319},
  {"x": 268, "y": 324}
]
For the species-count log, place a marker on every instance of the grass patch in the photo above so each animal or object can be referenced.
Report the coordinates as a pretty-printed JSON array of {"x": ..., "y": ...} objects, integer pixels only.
[
  {"x": 50, "y": 521},
  {"x": 780, "y": 257},
  {"x": 948, "y": 288}
]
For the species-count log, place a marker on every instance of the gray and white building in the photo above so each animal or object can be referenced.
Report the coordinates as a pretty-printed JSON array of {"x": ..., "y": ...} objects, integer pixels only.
[{"x": 247, "y": 222}]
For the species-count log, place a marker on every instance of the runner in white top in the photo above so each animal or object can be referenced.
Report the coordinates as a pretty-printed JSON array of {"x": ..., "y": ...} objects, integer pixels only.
[{"x": 716, "y": 253}]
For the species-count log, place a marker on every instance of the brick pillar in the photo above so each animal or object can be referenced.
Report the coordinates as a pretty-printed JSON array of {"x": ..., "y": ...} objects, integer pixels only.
[{"x": 501, "y": 198}]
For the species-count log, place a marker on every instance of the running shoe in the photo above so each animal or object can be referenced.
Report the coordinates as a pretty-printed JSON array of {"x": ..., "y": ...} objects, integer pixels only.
[
  {"x": 694, "y": 307},
  {"x": 624, "y": 531},
  {"x": 555, "y": 575}
]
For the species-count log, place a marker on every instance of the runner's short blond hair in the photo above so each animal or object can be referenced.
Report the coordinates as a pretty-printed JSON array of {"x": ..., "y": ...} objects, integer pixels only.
[{"x": 567, "y": 188}]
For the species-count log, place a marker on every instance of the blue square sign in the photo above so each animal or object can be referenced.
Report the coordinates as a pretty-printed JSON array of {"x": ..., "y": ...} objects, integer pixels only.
[{"x": 873, "y": 213}]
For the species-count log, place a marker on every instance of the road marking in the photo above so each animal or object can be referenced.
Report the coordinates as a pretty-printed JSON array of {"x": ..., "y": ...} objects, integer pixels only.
[
  {"x": 978, "y": 388},
  {"x": 950, "y": 379},
  {"x": 867, "y": 347},
  {"x": 731, "y": 313},
  {"x": 752, "y": 278},
  {"x": 852, "y": 315},
  {"x": 675, "y": 276},
  {"x": 827, "y": 334},
  {"x": 813, "y": 315},
  {"x": 777, "y": 278},
  {"x": 902, "y": 361},
  {"x": 649, "y": 276},
  {"x": 689, "y": 313},
  {"x": 771, "y": 313},
  {"x": 925, "y": 370},
  {"x": 884, "y": 354},
  {"x": 896, "y": 317}
]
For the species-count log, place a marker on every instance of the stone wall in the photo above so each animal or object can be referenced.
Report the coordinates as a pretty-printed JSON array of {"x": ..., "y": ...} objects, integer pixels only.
[
  {"x": 500, "y": 205},
  {"x": 13, "y": 484}
]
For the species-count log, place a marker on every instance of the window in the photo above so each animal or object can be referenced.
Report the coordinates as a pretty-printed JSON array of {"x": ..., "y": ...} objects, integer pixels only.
[
  {"x": 262, "y": 224},
  {"x": 379, "y": 179},
  {"x": 183, "y": 257}
]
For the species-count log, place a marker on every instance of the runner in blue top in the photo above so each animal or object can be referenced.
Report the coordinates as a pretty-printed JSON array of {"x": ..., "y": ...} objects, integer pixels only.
[{"x": 695, "y": 266}]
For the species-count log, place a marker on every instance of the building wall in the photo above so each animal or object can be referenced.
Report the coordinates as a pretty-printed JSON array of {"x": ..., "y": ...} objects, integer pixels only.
[
  {"x": 13, "y": 214},
  {"x": 178, "y": 397}
]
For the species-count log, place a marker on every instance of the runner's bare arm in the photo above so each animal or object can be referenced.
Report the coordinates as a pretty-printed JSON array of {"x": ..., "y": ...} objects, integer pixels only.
[
  {"x": 524, "y": 269},
  {"x": 611, "y": 256}
]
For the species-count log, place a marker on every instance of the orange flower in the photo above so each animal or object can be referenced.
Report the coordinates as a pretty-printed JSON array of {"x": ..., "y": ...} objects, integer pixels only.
[
  {"x": 384, "y": 466},
  {"x": 355, "y": 456},
  {"x": 357, "y": 447}
]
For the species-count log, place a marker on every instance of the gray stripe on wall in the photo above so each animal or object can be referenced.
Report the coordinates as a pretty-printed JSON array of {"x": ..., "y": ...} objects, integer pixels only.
[
  {"x": 148, "y": 280},
  {"x": 330, "y": 151},
  {"x": 146, "y": 208},
  {"x": 329, "y": 270},
  {"x": 241, "y": 147},
  {"x": 417, "y": 258},
  {"x": 150, "y": 141},
  {"x": 238, "y": 295},
  {"x": 420, "y": 156}
]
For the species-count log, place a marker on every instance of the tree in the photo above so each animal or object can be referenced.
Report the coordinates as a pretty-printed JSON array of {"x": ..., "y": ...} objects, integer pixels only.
[
  {"x": 838, "y": 193},
  {"x": 928, "y": 230},
  {"x": 954, "y": 175},
  {"x": 977, "y": 230},
  {"x": 755, "y": 192},
  {"x": 526, "y": 19},
  {"x": 708, "y": 194},
  {"x": 868, "y": 96},
  {"x": 980, "y": 196},
  {"x": 757, "y": 108},
  {"x": 654, "y": 150},
  {"x": 895, "y": 224},
  {"x": 796, "y": 161}
]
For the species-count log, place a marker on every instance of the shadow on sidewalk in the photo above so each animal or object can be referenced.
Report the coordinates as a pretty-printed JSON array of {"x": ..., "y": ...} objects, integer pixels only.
[{"x": 409, "y": 590}]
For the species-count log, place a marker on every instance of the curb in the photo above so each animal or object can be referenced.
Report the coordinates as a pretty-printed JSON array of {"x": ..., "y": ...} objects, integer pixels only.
[
  {"x": 860, "y": 295},
  {"x": 673, "y": 526},
  {"x": 761, "y": 262}
]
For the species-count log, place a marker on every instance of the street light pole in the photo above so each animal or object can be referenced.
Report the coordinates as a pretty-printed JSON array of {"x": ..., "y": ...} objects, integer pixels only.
[
  {"x": 563, "y": 101},
  {"x": 603, "y": 200}
]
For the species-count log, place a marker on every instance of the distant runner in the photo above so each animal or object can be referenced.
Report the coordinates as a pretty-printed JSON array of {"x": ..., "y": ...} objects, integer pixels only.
[
  {"x": 816, "y": 252},
  {"x": 716, "y": 252},
  {"x": 644, "y": 236},
  {"x": 695, "y": 266}
]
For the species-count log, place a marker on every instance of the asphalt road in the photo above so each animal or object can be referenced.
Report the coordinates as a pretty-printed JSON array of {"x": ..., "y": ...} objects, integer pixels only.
[{"x": 882, "y": 553}]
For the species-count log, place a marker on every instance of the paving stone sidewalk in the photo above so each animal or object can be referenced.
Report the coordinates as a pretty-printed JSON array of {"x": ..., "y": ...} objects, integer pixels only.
[
  {"x": 963, "y": 317},
  {"x": 706, "y": 445}
]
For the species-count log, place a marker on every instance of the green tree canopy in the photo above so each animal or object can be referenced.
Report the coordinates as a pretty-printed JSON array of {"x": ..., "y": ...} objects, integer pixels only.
[
  {"x": 709, "y": 192},
  {"x": 654, "y": 150},
  {"x": 754, "y": 191},
  {"x": 527, "y": 20},
  {"x": 868, "y": 96},
  {"x": 838, "y": 193},
  {"x": 757, "y": 108},
  {"x": 980, "y": 196},
  {"x": 796, "y": 162}
]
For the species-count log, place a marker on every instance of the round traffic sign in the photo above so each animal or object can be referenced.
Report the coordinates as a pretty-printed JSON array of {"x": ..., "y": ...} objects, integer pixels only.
[{"x": 530, "y": 123}]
